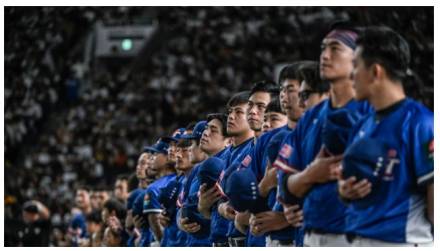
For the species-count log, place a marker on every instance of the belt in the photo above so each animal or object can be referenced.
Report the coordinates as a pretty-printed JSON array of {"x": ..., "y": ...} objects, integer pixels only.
[
  {"x": 220, "y": 244},
  {"x": 237, "y": 241}
]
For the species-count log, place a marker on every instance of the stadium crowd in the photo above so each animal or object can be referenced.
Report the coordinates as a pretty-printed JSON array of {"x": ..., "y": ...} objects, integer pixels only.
[{"x": 79, "y": 168}]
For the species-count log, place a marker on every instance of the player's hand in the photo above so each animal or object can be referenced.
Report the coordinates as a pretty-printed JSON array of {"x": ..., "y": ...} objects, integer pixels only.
[
  {"x": 189, "y": 227},
  {"x": 266, "y": 222},
  {"x": 208, "y": 197},
  {"x": 352, "y": 190},
  {"x": 138, "y": 221},
  {"x": 225, "y": 210},
  {"x": 292, "y": 213},
  {"x": 268, "y": 181},
  {"x": 324, "y": 169},
  {"x": 163, "y": 219}
]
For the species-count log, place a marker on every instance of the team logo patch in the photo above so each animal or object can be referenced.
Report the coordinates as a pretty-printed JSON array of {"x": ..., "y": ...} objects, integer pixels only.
[
  {"x": 286, "y": 151},
  {"x": 246, "y": 161},
  {"x": 146, "y": 200},
  {"x": 392, "y": 162}
]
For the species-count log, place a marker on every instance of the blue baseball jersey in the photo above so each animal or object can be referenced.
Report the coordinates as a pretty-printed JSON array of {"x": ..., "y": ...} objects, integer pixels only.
[
  {"x": 137, "y": 208},
  {"x": 130, "y": 202},
  {"x": 191, "y": 190},
  {"x": 238, "y": 154},
  {"x": 151, "y": 198},
  {"x": 322, "y": 208},
  {"x": 407, "y": 128},
  {"x": 173, "y": 236}
]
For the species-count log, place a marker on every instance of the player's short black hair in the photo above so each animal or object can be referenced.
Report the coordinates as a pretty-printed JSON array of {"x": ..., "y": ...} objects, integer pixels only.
[
  {"x": 382, "y": 45},
  {"x": 291, "y": 71},
  {"x": 309, "y": 72},
  {"x": 94, "y": 216},
  {"x": 343, "y": 24},
  {"x": 223, "y": 118},
  {"x": 274, "y": 106},
  {"x": 238, "y": 99},
  {"x": 114, "y": 205},
  {"x": 265, "y": 86}
]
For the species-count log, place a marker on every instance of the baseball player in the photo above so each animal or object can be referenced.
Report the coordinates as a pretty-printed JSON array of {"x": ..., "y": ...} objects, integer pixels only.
[
  {"x": 167, "y": 172},
  {"x": 314, "y": 173},
  {"x": 391, "y": 204}
]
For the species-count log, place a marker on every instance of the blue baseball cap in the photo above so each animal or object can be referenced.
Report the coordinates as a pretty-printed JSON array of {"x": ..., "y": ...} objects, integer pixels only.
[
  {"x": 197, "y": 131},
  {"x": 274, "y": 145},
  {"x": 191, "y": 212},
  {"x": 161, "y": 146},
  {"x": 242, "y": 191},
  {"x": 336, "y": 130},
  {"x": 368, "y": 158},
  {"x": 177, "y": 134},
  {"x": 210, "y": 170},
  {"x": 168, "y": 196}
]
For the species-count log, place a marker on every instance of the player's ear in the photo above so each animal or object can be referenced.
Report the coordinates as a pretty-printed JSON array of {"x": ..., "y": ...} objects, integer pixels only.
[{"x": 377, "y": 71}]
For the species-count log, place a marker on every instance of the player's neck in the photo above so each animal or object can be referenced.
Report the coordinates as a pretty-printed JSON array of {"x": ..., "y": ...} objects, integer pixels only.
[
  {"x": 291, "y": 124},
  {"x": 217, "y": 151},
  {"x": 341, "y": 92},
  {"x": 258, "y": 133},
  {"x": 143, "y": 183},
  {"x": 238, "y": 140},
  {"x": 167, "y": 171},
  {"x": 386, "y": 95}
]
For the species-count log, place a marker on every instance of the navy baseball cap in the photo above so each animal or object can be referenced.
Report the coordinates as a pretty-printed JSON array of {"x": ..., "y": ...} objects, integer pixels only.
[
  {"x": 210, "y": 170},
  {"x": 367, "y": 158},
  {"x": 177, "y": 134},
  {"x": 242, "y": 192},
  {"x": 274, "y": 145},
  {"x": 191, "y": 212},
  {"x": 168, "y": 197},
  {"x": 197, "y": 131},
  {"x": 336, "y": 130},
  {"x": 161, "y": 146}
]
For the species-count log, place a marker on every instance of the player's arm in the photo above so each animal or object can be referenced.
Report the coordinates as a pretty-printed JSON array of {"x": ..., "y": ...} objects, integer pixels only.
[
  {"x": 241, "y": 222},
  {"x": 430, "y": 202},
  {"x": 269, "y": 181},
  {"x": 156, "y": 228},
  {"x": 43, "y": 211},
  {"x": 321, "y": 170}
]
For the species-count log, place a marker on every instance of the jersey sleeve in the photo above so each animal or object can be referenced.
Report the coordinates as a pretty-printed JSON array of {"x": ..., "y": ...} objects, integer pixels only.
[
  {"x": 422, "y": 149},
  {"x": 288, "y": 159},
  {"x": 151, "y": 202}
]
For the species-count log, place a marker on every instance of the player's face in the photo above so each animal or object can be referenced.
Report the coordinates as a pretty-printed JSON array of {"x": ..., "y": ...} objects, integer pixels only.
[
  {"x": 256, "y": 106},
  {"x": 336, "y": 60},
  {"x": 213, "y": 139},
  {"x": 361, "y": 76},
  {"x": 289, "y": 99},
  {"x": 196, "y": 155},
  {"x": 308, "y": 97},
  {"x": 183, "y": 162},
  {"x": 151, "y": 170},
  {"x": 121, "y": 190},
  {"x": 82, "y": 199},
  {"x": 237, "y": 122},
  {"x": 160, "y": 161},
  {"x": 172, "y": 152},
  {"x": 273, "y": 120},
  {"x": 142, "y": 166}
]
